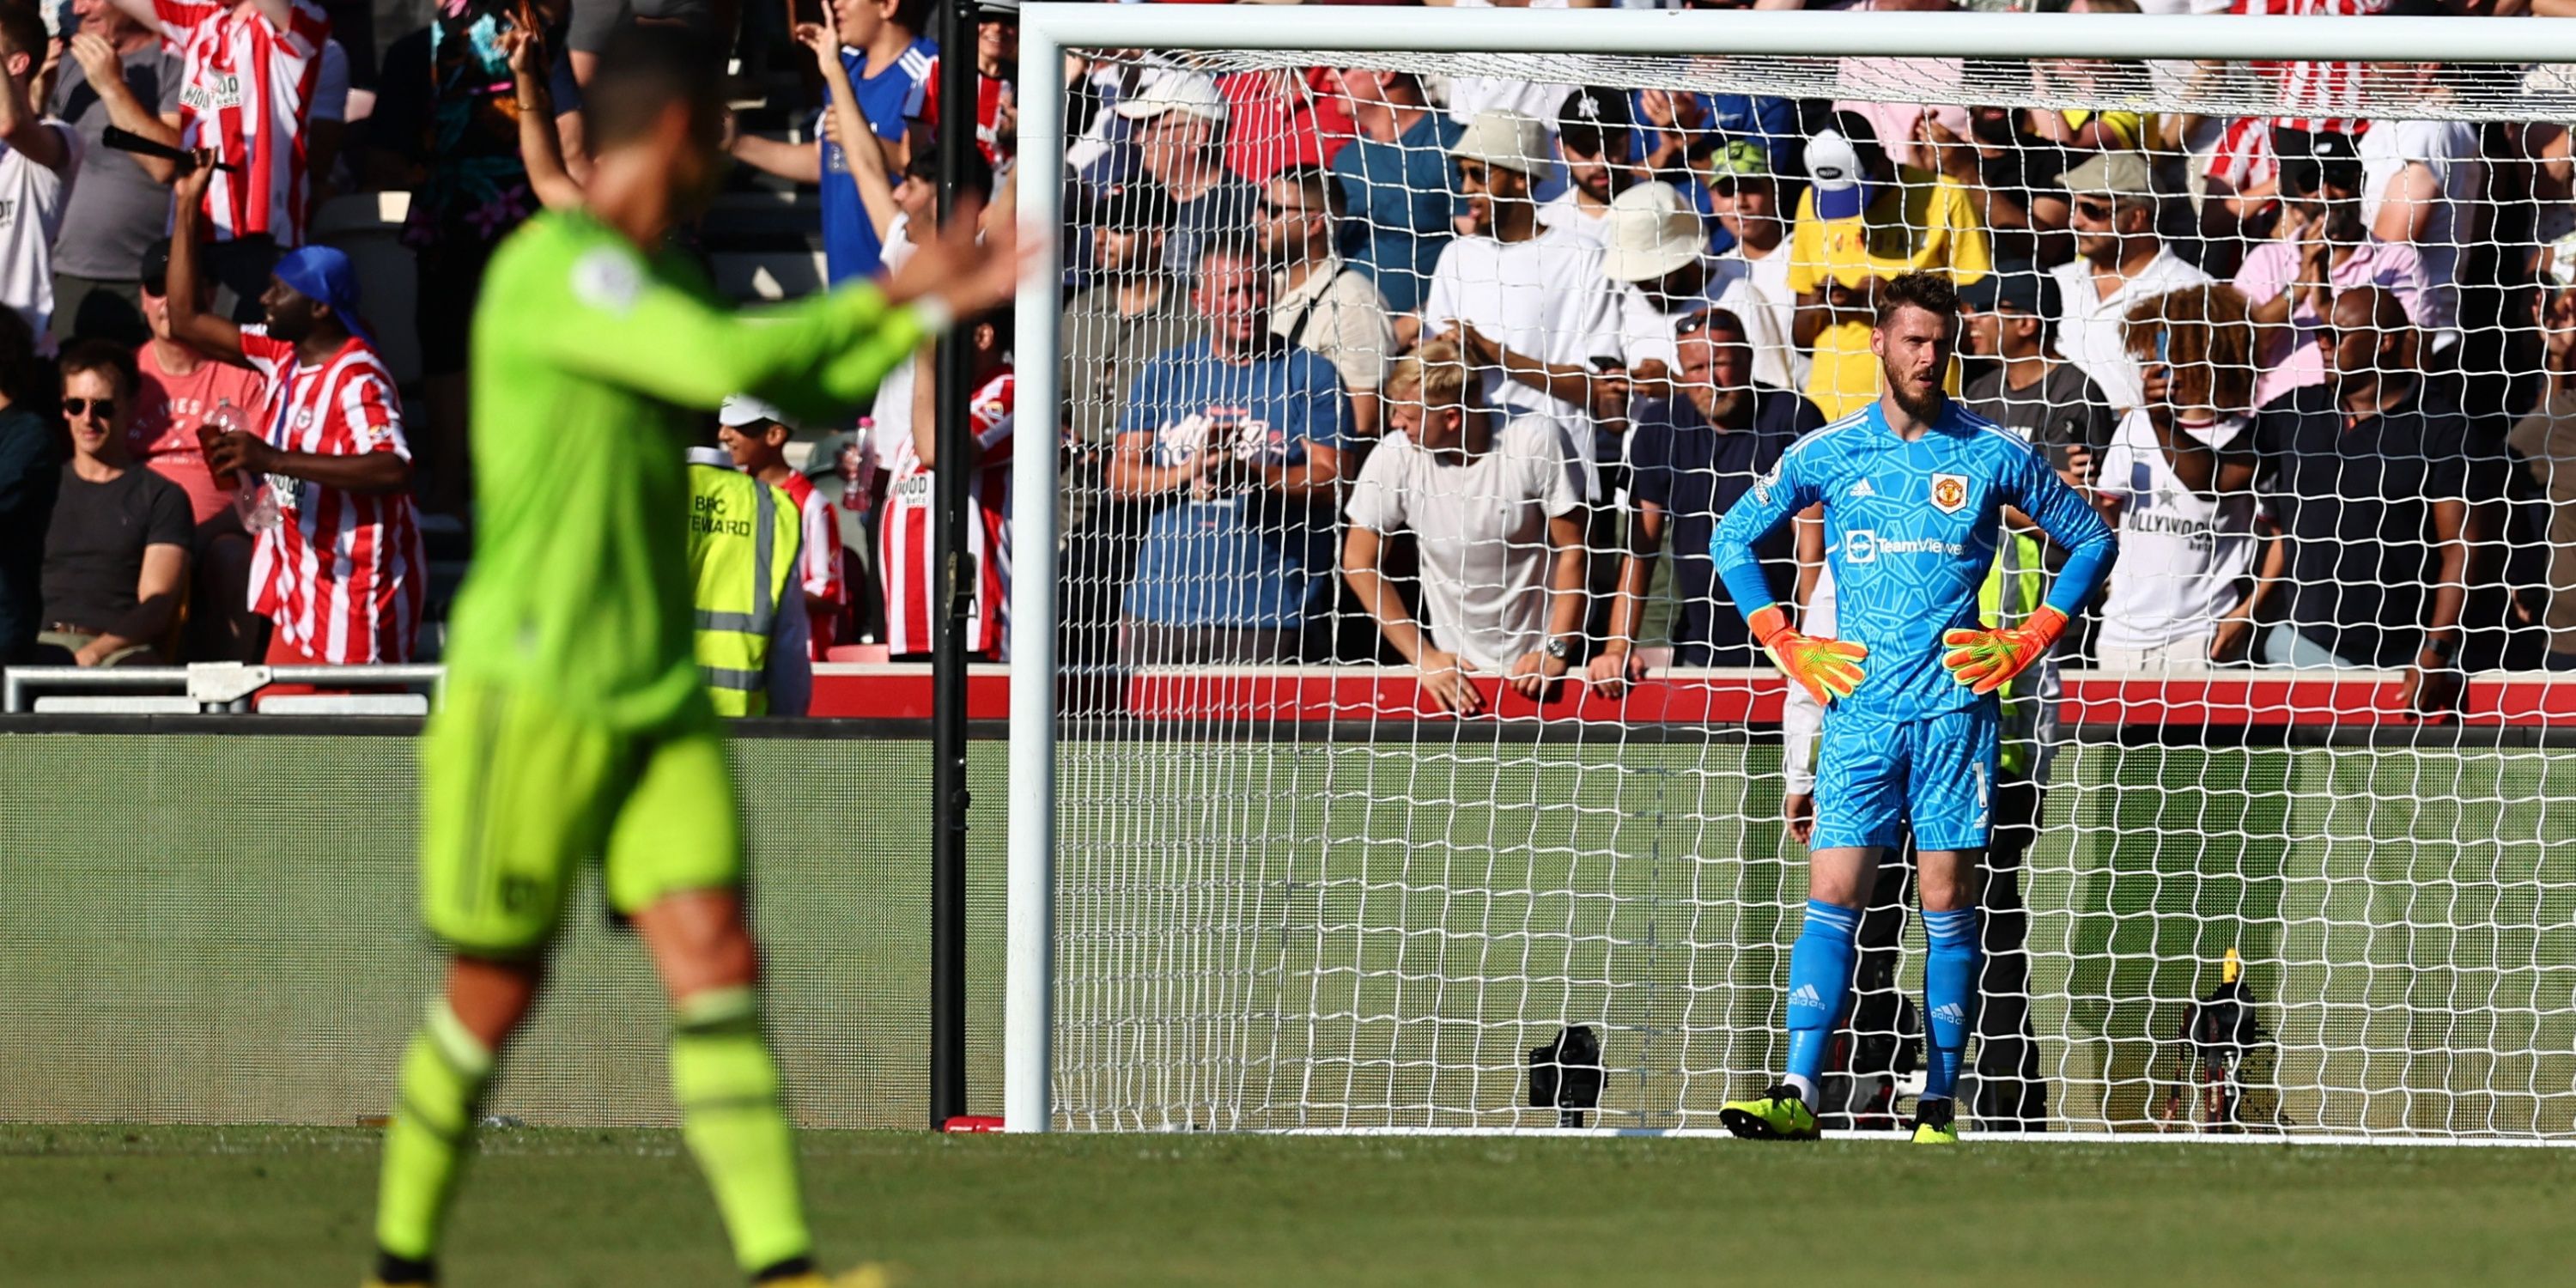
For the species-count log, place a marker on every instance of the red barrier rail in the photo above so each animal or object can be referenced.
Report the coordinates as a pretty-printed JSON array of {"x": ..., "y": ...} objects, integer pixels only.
[{"x": 901, "y": 691}]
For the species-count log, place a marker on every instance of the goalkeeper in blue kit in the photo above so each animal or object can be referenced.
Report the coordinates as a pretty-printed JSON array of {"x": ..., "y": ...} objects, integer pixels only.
[{"x": 1914, "y": 489}]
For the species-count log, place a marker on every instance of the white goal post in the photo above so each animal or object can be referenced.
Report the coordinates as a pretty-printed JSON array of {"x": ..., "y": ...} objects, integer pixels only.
[{"x": 2403, "y": 1033}]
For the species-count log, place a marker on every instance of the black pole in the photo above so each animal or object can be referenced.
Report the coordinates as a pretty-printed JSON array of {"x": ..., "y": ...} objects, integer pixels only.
[{"x": 958, "y": 83}]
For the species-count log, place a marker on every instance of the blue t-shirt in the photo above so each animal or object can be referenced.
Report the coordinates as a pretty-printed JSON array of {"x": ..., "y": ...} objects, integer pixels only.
[
  {"x": 1910, "y": 533},
  {"x": 1694, "y": 472},
  {"x": 850, "y": 245},
  {"x": 1399, "y": 198},
  {"x": 1253, "y": 559}
]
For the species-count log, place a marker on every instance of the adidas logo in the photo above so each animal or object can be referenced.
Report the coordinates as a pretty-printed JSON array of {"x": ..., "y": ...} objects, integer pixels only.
[
  {"x": 1862, "y": 489},
  {"x": 1806, "y": 996},
  {"x": 1950, "y": 1013}
]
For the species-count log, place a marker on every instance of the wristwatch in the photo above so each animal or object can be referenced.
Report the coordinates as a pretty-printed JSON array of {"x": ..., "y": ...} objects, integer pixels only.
[
  {"x": 2446, "y": 650},
  {"x": 1560, "y": 647}
]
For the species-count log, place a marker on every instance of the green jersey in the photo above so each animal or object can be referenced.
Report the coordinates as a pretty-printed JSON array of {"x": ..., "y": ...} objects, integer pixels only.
[{"x": 593, "y": 364}]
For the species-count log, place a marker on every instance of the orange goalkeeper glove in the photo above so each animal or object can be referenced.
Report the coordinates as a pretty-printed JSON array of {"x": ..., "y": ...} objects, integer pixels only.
[
  {"x": 1827, "y": 669},
  {"x": 1988, "y": 660}
]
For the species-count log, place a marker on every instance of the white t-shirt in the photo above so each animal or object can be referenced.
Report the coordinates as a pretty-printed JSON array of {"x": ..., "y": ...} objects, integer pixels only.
[
  {"x": 1646, "y": 327},
  {"x": 31, "y": 212},
  {"x": 1764, "y": 288},
  {"x": 2090, "y": 328},
  {"x": 1481, "y": 527},
  {"x": 1544, "y": 297},
  {"x": 893, "y": 412},
  {"x": 1561, "y": 213},
  {"x": 2183, "y": 556},
  {"x": 2450, "y": 150}
]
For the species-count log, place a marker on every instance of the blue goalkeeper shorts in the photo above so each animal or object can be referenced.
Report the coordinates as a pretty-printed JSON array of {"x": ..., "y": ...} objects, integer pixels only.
[{"x": 1874, "y": 775}]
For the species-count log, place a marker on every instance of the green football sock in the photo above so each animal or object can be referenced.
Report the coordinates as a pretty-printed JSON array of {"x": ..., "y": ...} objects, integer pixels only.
[
  {"x": 443, "y": 1076},
  {"x": 727, "y": 1085}
]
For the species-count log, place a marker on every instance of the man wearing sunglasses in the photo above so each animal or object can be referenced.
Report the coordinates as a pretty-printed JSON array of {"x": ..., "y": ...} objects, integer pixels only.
[
  {"x": 116, "y": 553},
  {"x": 2119, "y": 261}
]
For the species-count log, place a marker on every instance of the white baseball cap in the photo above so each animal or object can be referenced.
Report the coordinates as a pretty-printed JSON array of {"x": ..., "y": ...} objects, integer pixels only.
[
  {"x": 1653, "y": 230},
  {"x": 1834, "y": 176},
  {"x": 1175, "y": 91},
  {"x": 743, "y": 409},
  {"x": 1509, "y": 140}
]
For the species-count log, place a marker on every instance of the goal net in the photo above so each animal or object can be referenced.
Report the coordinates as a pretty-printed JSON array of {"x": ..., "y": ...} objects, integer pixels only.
[{"x": 1409, "y": 767}]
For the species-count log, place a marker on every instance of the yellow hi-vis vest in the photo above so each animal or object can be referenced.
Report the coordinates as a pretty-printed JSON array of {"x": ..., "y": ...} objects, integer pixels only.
[
  {"x": 2011, "y": 593},
  {"x": 742, "y": 559}
]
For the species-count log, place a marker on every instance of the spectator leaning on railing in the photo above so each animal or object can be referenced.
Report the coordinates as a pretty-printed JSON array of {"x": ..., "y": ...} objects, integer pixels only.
[
  {"x": 1241, "y": 446},
  {"x": 2368, "y": 476},
  {"x": 118, "y": 74},
  {"x": 116, "y": 553},
  {"x": 1496, "y": 509},
  {"x": 1690, "y": 457},
  {"x": 339, "y": 570}
]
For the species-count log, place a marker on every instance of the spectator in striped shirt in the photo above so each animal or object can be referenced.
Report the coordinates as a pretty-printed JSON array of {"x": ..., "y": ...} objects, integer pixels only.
[
  {"x": 251, "y": 70},
  {"x": 904, "y": 525},
  {"x": 755, "y": 436},
  {"x": 339, "y": 570}
]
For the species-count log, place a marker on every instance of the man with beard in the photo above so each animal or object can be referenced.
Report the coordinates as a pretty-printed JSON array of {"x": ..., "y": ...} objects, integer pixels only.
[
  {"x": 2119, "y": 261},
  {"x": 1318, "y": 302},
  {"x": 2323, "y": 249},
  {"x": 1592, "y": 135},
  {"x": 1530, "y": 304},
  {"x": 1690, "y": 458},
  {"x": 1914, "y": 488}
]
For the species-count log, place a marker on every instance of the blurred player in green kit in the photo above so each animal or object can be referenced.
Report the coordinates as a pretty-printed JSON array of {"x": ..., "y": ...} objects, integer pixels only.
[{"x": 576, "y": 721}]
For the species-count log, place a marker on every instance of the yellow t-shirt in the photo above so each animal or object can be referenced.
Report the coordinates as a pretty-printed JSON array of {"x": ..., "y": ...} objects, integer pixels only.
[
  {"x": 1924, "y": 222},
  {"x": 2125, "y": 128}
]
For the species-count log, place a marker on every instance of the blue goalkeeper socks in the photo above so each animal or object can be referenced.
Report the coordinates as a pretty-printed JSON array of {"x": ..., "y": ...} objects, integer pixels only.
[
  {"x": 1949, "y": 995},
  {"x": 1820, "y": 974}
]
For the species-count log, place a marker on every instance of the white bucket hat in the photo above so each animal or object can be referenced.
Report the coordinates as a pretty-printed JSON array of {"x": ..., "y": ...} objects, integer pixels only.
[
  {"x": 1507, "y": 140},
  {"x": 1653, "y": 230}
]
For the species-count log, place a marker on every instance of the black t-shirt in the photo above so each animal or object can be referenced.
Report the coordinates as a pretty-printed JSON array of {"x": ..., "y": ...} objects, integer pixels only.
[
  {"x": 94, "y": 548},
  {"x": 1694, "y": 471},
  {"x": 2356, "y": 498}
]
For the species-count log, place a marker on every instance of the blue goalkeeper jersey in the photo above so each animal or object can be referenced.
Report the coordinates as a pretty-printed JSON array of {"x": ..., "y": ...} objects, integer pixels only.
[{"x": 1910, "y": 532}]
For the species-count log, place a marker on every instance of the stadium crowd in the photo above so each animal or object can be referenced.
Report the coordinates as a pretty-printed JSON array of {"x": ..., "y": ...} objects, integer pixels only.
[{"x": 1357, "y": 364}]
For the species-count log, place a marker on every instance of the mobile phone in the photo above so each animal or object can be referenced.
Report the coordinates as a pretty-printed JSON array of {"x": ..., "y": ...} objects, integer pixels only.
[{"x": 2164, "y": 346}]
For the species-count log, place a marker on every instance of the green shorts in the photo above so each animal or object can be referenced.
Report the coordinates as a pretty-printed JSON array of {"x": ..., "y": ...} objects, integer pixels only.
[{"x": 515, "y": 793}]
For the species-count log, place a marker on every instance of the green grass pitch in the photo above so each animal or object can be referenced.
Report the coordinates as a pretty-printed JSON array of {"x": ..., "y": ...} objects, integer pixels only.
[{"x": 108, "y": 1207}]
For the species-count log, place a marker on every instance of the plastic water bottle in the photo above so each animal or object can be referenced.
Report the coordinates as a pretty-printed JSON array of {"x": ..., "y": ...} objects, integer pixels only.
[
  {"x": 859, "y": 468},
  {"x": 253, "y": 499}
]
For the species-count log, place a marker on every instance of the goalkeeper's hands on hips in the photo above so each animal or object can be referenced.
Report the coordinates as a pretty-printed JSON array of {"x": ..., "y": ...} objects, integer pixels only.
[
  {"x": 1827, "y": 668},
  {"x": 1987, "y": 660}
]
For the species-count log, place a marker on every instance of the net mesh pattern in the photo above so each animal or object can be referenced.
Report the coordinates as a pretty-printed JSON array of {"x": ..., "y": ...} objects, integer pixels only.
[{"x": 1298, "y": 891}]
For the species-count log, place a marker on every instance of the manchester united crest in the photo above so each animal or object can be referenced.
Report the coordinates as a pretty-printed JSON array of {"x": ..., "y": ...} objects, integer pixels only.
[{"x": 1949, "y": 492}]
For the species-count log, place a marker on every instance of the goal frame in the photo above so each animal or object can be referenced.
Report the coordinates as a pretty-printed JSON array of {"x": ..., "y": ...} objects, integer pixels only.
[{"x": 1048, "y": 30}]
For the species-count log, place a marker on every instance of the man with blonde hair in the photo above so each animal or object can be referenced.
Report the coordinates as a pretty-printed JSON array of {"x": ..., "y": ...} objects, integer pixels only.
[{"x": 1496, "y": 508}]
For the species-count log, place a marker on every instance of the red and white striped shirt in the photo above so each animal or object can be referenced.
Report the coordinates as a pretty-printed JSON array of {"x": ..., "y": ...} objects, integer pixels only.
[
  {"x": 343, "y": 573},
  {"x": 245, "y": 90},
  {"x": 2332, "y": 93},
  {"x": 904, "y": 527},
  {"x": 818, "y": 564},
  {"x": 989, "y": 93}
]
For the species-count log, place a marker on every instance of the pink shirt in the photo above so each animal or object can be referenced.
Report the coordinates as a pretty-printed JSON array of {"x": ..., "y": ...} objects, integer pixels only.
[{"x": 2285, "y": 361}]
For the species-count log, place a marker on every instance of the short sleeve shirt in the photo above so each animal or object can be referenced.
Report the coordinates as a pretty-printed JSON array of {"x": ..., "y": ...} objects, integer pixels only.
[
  {"x": 94, "y": 548},
  {"x": 1252, "y": 558},
  {"x": 1694, "y": 471},
  {"x": 2356, "y": 497}
]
